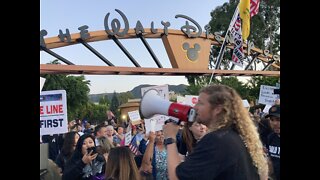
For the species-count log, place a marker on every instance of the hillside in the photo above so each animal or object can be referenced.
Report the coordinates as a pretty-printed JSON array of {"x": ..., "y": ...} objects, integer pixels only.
[{"x": 136, "y": 91}]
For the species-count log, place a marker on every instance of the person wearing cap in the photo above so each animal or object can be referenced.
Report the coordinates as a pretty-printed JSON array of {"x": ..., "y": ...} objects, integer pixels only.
[{"x": 273, "y": 140}]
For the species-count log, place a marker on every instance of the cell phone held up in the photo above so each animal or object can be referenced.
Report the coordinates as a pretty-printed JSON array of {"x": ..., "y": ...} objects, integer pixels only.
[{"x": 93, "y": 149}]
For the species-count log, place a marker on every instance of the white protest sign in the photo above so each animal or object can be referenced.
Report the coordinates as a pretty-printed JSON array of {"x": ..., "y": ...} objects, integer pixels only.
[
  {"x": 128, "y": 138},
  {"x": 42, "y": 80},
  {"x": 267, "y": 96},
  {"x": 53, "y": 112},
  {"x": 159, "y": 122},
  {"x": 191, "y": 100},
  {"x": 180, "y": 99},
  {"x": 266, "y": 108},
  {"x": 245, "y": 103},
  {"x": 134, "y": 117},
  {"x": 163, "y": 91},
  {"x": 153, "y": 125}
]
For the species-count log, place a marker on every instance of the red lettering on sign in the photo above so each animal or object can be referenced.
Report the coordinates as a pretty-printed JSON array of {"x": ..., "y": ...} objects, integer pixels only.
[
  {"x": 41, "y": 109},
  {"x": 194, "y": 100},
  {"x": 54, "y": 109}
]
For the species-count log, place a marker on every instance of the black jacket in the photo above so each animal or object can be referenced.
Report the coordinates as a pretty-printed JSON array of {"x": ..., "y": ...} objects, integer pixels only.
[{"x": 218, "y": 155}]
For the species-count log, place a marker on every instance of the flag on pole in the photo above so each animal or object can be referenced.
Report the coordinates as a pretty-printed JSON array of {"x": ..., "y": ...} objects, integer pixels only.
[
  {"x": 254, "y": 7},
  {"x": 244, "y": 8},
  {"x": 235, "y": 31},
  {"x": 133, "y": 146}
]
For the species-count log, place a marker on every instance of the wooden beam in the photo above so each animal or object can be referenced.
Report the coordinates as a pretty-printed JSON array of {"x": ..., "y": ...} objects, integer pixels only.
[{"x": 108, "y": 70}]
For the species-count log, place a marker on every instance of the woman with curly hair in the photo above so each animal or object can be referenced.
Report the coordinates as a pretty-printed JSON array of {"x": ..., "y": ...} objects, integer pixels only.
[{"x": 230, "y": 150}]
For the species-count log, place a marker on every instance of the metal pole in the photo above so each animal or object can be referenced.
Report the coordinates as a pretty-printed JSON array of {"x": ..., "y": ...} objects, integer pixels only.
[
  {"x": 124, "y": 50},
  {"x": 268, "y": 65},
  {"x": 56, "y": 55},
  {"x": 254, "y": 58},
  {"x": 146, "y": 44},
  {"x": 95, "y": 52},
  {"x": 223, "y": 46}
]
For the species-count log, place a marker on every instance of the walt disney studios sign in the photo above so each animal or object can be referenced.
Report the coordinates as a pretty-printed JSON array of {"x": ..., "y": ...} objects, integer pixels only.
[{"x": 189, "y": 30}]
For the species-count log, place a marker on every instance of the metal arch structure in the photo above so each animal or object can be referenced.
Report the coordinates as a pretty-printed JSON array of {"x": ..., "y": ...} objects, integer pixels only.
[{"x": 182, "y": 51}]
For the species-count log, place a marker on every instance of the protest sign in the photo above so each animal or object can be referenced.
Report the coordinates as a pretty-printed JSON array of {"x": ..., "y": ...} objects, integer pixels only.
[
  {"x": 134, "y": 117},
  {"x": 267, "y": 95},
  {"x": 42, "y": 80},
  {"x": 163, "y": 91},
  {"x": 191, "y": 100},
  {"x": 53, "y": 112},
  {"x": 180, "y": 99},
  {"x": 158, "y": 120}
]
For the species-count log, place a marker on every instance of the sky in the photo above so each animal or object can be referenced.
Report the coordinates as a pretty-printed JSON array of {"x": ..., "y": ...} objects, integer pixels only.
[{"x": 71, "y": 14}]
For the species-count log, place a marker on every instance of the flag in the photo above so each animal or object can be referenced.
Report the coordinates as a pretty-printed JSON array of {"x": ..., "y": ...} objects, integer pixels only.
[
  {"x": 244, "y": 8},
  {"x": 237, "y": 54},
  {"x": 254, "y": 7},
  {"x": 133, "y": 146}
]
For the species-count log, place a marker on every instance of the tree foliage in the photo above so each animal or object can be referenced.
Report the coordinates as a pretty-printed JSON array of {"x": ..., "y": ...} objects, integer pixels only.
[
  {"x": 76, "y": 87},
  {"x": 123, "y": 97},
  {"x": 196, "y": 83},
  {"x": 239, "y": 86},
  {"x": 115, "y": 105},
  {"x": 104, "y": 100},
  {"x": 255, "y": 82},
  {"x": 264, "y": 27},
  {"x": 95, "y": 112},
  {"x": 264, "y": 33}
]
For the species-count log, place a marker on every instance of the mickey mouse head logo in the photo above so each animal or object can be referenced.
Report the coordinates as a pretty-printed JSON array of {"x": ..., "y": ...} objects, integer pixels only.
[{"x": 192, "y": 53}]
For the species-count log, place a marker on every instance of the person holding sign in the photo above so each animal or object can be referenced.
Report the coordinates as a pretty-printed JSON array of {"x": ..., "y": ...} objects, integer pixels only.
[
  {"x": 155, "y": 154},
  {"x": 230, "y": 150}
]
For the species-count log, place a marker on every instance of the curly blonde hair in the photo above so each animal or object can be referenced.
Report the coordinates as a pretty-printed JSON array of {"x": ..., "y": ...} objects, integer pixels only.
[{"x": 234, "y": 114}]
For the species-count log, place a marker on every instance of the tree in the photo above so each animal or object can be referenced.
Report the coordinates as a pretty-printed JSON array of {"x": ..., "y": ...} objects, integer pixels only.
[
  {"x": 76, "y": 87},
  {"x": 197, "y": 82},
  {"x": 123, "y": 97},
  {"x": 255, "y": 82},
  {"x": 239, "y": 86},
  {"x": 115, "y": 105},
  {"x": 104, "y": 100},
  {"x": 267, "y": 19},
  {"x": 95, "y": 112}
]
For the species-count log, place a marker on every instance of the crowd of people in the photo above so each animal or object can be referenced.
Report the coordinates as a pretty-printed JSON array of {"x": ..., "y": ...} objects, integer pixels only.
[{"x": 225, "y": 142}]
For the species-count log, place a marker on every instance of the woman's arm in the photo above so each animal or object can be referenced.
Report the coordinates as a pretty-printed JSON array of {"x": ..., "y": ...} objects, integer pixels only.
[{"x": 147, "y": 157}]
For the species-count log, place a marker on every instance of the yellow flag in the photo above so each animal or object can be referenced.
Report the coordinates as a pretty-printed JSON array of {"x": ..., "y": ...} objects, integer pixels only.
[{"x": 244, "y": 8}]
